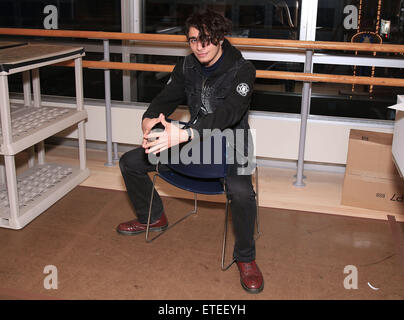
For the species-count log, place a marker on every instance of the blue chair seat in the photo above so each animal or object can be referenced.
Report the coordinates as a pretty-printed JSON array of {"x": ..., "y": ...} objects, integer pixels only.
[{"x": 197, "y": 185}]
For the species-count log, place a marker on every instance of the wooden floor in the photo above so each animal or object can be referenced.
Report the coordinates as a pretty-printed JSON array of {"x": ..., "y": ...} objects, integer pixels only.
[
  {"x": 302, "y": 254},
  {"x": 322, "y": 193}
]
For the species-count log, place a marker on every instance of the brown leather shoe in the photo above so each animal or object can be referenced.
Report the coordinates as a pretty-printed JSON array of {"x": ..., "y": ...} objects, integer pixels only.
[
  {"x": 250, "y": 277},
  {"x": 135, "y": 227}
]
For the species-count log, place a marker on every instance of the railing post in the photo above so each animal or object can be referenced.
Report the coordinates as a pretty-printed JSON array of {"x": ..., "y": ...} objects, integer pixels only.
[
  {"x": 116, "y": 156},
  {"x": 107, "y": 83},
  {"x": 305, "y": 107}
]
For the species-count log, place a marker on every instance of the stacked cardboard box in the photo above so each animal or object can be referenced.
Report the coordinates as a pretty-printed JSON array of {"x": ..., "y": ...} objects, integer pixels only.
[{"x": 371, "y": 178}]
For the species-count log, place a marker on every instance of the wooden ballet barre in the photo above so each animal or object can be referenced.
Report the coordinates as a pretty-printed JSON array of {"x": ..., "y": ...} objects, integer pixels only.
[
  {"x": 281, "y": 43},
  {"x": 121, "y": 66},
  {"x": 330, "y": 78},
  {"x": 284, "y": 75},
  {"x": 265, "y": 74}
]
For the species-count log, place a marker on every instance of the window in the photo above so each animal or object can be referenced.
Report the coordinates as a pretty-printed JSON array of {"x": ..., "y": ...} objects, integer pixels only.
[
  {"x": 253, "y": 19},
  {"x": 69, "y": 15},
  {"x": 337, "y": 20},
  {"x": 374, "y": 21}
]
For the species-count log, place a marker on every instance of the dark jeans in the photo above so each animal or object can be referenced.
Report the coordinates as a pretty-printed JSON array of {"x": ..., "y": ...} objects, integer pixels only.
[{"x": 135, "y": 165}]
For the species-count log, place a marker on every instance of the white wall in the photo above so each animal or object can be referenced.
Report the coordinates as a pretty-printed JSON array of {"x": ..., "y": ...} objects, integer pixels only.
[{"x": 277, "y": 135}]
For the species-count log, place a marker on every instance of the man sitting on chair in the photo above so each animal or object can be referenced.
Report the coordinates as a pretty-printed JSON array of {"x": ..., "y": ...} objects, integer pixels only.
[{"x": 216, "y": 83}]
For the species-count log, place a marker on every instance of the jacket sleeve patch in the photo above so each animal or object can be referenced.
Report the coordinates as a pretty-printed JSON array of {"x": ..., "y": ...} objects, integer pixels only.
[{"x": 243, "y": 89}]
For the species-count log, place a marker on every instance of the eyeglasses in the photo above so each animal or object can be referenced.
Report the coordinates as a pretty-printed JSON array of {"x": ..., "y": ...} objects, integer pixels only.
[{"x": 194, "y": 41}]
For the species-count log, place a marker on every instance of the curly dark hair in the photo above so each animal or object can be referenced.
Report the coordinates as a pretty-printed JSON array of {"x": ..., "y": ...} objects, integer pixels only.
[{"x": 211, "y": 25}]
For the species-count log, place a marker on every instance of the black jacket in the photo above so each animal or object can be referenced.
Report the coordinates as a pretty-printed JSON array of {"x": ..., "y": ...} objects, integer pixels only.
[
  {"x": 218, "y": 101},
  {"x": 214, "y": 101}
]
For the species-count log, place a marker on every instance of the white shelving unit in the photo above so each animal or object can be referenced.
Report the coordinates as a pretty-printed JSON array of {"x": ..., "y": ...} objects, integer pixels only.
[
  {"x": 24, "y": 197},
  {"x": 10, "y": 44}
]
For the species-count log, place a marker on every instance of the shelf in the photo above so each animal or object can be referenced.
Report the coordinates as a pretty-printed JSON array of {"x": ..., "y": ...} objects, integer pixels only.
[
  {"x": 26, "y": 196},
  {"x": 31, "y": 125},
  {"x": 38, "y": 188},
  {"x": 31, "y": 56},
  {"x": 10, "y": 44}
]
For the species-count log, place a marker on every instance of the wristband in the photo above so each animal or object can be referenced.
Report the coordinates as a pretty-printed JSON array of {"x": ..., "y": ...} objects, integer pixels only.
[{"x": 189, "y": 131}]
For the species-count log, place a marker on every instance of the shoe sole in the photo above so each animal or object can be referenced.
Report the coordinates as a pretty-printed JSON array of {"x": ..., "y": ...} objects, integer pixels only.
[
  {"x": 132, "y": 233},
  {"x": 249, "y": 290}
]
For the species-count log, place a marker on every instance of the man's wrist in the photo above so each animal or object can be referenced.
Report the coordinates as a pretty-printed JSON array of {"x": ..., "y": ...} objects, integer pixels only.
[{"x": 190, "y": 134}]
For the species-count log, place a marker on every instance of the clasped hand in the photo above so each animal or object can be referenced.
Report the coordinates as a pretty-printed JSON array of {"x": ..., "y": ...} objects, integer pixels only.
[{"x": 155, "y": 142}]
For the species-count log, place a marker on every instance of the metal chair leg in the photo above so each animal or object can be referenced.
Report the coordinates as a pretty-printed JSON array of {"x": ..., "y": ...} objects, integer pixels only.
[
  {"x": 171, "y": 225},
  {"x": 224, "y": 268}
]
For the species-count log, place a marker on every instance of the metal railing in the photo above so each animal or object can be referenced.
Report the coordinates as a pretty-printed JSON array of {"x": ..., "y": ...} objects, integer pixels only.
[{"x": 307, "y": 76}]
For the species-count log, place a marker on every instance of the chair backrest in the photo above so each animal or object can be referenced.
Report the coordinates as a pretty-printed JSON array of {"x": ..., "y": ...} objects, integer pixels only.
[{"x": 208, "y": 158}]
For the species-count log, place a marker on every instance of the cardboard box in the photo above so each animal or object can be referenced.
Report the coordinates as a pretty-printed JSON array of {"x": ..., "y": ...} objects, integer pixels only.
[
  {"x": 371, "y": 178},
  {"x": 369, "y": 154}
]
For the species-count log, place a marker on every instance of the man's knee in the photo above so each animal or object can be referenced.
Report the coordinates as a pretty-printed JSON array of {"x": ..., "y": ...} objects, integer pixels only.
[
  {"x": 135, "y": 161},
  {"x": 240, "y": 188},
  {"x": 132, "y": 159},
  {"x": 122, "y": 162}
]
